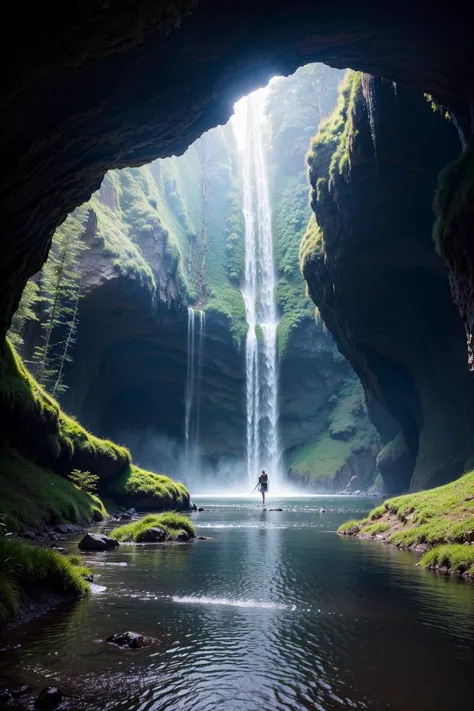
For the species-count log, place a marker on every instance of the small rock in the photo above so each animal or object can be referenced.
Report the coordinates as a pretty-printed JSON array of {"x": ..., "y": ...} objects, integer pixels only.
[
  {"x": 61, "y": 528},
  {"x": 20, "y": 691},
  {"x": 97, "y": 542},
  {"x": 182, "y": 536},
  {"x": 201, "y": 509},
  {"x": 469, "y": 498},
  {"x": 322, "y": 510},
  {"x": 153, "y": 535},
  {"x": 131, "y": 511},
  {"x": 30, "y": 534},
  {"x": 97, "y": 516},
  {"x": 127, "y": 640},
  {"x": 49, "y": 698},
  {"x": 202, "y": 538},
  {"x": 89, "y": 578},
  {"x": 9, "y": 647},
  {"x": 5, "y": 696},
  {"x": 126, "y": 516},
  {"x": 276, "y": 509}
]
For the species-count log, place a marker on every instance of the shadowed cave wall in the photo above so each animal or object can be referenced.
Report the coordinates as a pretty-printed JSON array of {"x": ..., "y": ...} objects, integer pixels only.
[{"x": 373, "y": 271}]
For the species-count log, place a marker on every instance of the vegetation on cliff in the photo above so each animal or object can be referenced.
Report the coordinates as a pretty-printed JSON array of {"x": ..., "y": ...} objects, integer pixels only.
[
  {"x": 347, "y": 432},
  {"x": 30, "y": 570},
  {"x": 171, "y": 522},
  {"x": 40, "y": 442},
  {"x": 436, "y": 517}
]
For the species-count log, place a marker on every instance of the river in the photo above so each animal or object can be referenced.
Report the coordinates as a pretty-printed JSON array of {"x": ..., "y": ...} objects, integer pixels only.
[{"x": 273, "y": 611}]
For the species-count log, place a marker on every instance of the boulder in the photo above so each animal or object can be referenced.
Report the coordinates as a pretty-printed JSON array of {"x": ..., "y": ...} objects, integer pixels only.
[
  {"x": 128, "y": 640},
  {"x": 275, "y": 509},
  {"x": 61, "y": 528},
  {"x": 201, "y": 509},
  {"x": 153, "y": 535},
  {"x": 182, "y": 536},
  {"x": 193, "y": 507},
  {"x": 97, "y": 542},
  {"x": 49, "y": 698},
  {"x": 202, "y": 538},
  {"x": 131, "y": 511},
  {"x": 126, "y": 516},
  {"x": 30, "y": 534}
]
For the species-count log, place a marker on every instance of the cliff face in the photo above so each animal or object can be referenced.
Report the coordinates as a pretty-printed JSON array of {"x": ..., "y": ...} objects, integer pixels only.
[
  {"x": 97, "y": 86},
  {"x": 371, "y": 267}
]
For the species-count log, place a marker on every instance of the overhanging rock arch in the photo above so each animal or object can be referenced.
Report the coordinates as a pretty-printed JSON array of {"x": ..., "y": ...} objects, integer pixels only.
[{"x": 87, "y": 86}]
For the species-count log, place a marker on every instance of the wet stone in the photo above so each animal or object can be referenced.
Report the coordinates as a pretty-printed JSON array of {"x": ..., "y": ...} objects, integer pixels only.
[{"x": 49, "y": 698}]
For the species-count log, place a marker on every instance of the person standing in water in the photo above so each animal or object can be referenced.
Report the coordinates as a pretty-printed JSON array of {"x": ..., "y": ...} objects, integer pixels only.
[{"x": 263, "y": 484}]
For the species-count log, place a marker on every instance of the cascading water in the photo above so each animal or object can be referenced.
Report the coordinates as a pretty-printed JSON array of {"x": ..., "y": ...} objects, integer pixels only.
[
  {"x": 259, "y": 297},
  {"x": 368, "y": 89},
  {"x": 193, "y": 391}
]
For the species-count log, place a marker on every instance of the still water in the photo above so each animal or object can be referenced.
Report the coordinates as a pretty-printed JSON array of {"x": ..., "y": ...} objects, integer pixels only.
[{"x": 273, "y": 612}]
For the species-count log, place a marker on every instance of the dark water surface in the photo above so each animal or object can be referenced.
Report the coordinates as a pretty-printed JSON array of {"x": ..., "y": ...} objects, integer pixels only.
[{"x": 275, "y": 612}]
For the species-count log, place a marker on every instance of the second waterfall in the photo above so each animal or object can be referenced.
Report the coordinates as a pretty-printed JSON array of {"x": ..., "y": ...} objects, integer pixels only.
[{"x": 259, "y": 296}]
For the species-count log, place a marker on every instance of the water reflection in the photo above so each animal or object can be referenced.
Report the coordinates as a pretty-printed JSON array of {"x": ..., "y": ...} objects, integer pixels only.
[{"x": 274, "y": 611}]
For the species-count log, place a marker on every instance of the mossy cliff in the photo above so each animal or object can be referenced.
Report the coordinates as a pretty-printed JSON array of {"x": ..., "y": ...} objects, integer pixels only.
[
  {"x": 382, "y": 290},
  {"x": 325, "y": 430},
  {"x": 40, "y": 445}
]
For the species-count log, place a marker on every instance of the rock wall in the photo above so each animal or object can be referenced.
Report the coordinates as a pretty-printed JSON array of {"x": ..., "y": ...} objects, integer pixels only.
[
  {"x": 92, "y": 87},
  {"x": 372, "y": 269}
]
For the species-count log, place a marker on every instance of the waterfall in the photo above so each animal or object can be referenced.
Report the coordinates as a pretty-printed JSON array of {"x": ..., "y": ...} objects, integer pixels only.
[
  {"x": 368, "y": 90},
  {"x": 192, "y": 405},
  {"x": 259, "y": 297}
]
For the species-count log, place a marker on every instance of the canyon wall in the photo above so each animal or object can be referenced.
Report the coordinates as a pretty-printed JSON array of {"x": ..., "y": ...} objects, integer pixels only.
[{"x": 372, "y": 269}]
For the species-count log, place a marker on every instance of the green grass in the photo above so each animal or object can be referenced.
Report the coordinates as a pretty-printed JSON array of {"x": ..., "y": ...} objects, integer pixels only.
[
  {"x": 27, "y": 569},
  {"x": 170, "y": 521},
  {"x": 40, "y": 442},
  {"x": 348, "y": 430},
  {"x": 454, "y": 557},
  {"x": 432, "y": 517},
  {"x": 35, "y": 496},
  {"x": 161, "y": 492}
]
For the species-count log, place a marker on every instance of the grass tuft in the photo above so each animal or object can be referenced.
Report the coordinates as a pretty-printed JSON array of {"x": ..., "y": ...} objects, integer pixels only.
[
  {"x": 26, "y": 569},
  {"x": 170, "y": 521},
  {"x": 454, "y": 557},
  {"x": 443, "y": 515}
]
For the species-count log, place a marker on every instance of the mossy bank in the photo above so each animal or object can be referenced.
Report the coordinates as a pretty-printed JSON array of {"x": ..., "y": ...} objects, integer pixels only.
[
  {"x": 41, "y": 446},
  {"x": 438, "y": 522}
]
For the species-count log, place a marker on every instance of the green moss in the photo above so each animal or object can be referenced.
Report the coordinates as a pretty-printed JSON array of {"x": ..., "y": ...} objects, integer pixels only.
[
  {"x": 26, "y": 569},
  {"x": 435, "y": 516},
  {"x": 171, "y": 522},
  {"x": 456, "y": 558},
  {"x": 39, "y": 442},
  {"x": 348, "y": 431},
  {"x": 35, "y": 496},
  {"x": 328, "y": 158},
  {"x": 322, "y": 459},
  {"x": 454, "y": 195},
  {"x": 160, "y": 491}
]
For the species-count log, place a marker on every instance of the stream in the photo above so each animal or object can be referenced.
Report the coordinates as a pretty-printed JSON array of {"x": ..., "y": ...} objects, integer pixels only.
[{"x": 273, "y": 611}]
